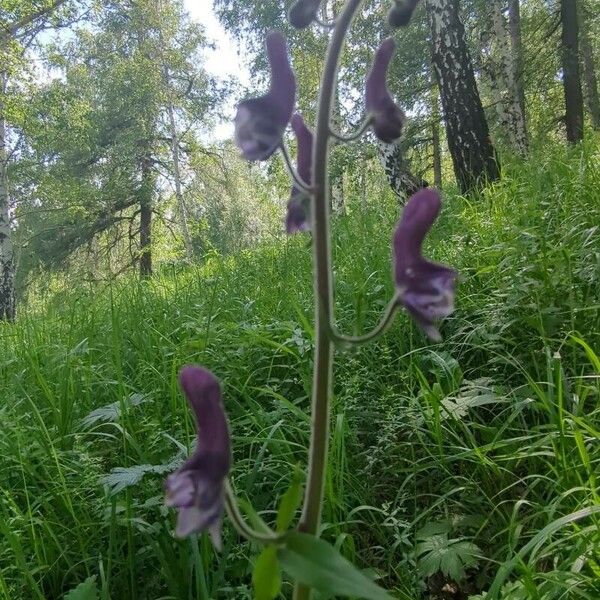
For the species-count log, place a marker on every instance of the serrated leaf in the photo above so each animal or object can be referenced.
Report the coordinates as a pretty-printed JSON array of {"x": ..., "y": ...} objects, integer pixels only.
[
  {"x": 87, "y": 590},
  {"x": 266, "y": 577},
  {"x": 123, "y": 477},
  {"x": 451, "y": 557},
  {"x": 317, "y": 564},
  {"x": 111, "y": 412},
  {"x": 290, "y": 502}
]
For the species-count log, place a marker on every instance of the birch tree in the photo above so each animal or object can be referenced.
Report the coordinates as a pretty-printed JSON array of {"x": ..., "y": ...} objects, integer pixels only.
[
  {"x": 20, "y": 24},
  {"x": 503, "y": 77},
  {"x": 473, "y": 154}
]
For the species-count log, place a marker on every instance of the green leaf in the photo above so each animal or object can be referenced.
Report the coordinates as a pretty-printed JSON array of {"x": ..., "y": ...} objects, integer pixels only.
[
  {"x": 317, "y": 564},
  {"x": 86, "y": 590},
  {"x": 290, "y": 502},
  {"x": 450, "y": 556},
  {"x": 266, "y": 577}
]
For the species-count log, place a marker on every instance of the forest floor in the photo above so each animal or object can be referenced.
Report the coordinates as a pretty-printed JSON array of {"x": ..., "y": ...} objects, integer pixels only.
[{"x": 452, "y": 465}]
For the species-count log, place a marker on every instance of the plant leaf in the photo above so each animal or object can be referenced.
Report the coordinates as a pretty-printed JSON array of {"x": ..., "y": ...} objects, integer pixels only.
[
  {"x": 290, "y": 502},
  {"x": 266, "y": 577},
  {"x": 87, "y": 590},
  {"x": 317, "y": 564}
]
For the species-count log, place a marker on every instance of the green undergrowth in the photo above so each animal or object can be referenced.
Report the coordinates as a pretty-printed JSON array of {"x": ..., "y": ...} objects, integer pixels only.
[{"x": 455, "y": 468}]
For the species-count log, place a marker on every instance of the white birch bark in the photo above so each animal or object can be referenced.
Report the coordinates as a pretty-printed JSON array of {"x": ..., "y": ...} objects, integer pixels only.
[
  {"x": 7, "y": 263},
  {"x": 505, "y": 81},
  {"x": 181, "y": 210}
]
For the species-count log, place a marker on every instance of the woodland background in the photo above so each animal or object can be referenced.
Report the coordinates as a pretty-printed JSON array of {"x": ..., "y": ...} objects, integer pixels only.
[{"x": 132, "y": 242}]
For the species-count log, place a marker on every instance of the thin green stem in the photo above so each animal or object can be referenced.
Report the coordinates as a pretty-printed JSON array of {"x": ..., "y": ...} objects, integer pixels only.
[
  {"x": 303, "y": 185},
  {"x": 240, "y": 525},
  {"x": 310, "y": 521},
  {"x": 386, "y": 320},
  {"x": 351, "y": 137}
]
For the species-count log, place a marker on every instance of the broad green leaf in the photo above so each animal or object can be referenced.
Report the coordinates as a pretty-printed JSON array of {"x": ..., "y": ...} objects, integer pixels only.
[
  {"x": 290, "y": 502},
  {"x": 266, "y": 577},
  {"x": 317, "y": 564},
  {"x": 86, "y": 590}
]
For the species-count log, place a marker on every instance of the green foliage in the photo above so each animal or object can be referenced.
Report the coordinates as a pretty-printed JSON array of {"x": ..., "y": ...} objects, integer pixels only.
[
  {"x": 88, "y": 590},
  {"x": 266, "y": 577},
  {"x": 437, "y": 552},
  {"x": 290, "y": 502},
  {"x": 314, "y": 562},
  {"x": 414, "y": 438}
]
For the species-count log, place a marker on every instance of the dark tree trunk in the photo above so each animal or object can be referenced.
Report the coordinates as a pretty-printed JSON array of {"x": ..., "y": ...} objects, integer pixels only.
[
  {"x": 146, "y": 193},
  {"x": 571, "y": 75},
  {"x": 473, "y": 154},
  {"x": 589, "y": 72},
  {"x": 516, "y": 39},
  {"x": 397, "y": 171}
]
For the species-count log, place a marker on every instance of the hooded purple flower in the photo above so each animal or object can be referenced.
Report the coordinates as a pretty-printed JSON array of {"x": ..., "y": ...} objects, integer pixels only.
[
  {"x": 303, "y": 13},
  {"x": 401, "y": 13},
  {"x": 297, "y": 218},
  {"x": 425, "y": 288},
  {"x": 260, "y": 122},
  {"x": 196, "y": 488},
  {"x": 388, "y": 118}
]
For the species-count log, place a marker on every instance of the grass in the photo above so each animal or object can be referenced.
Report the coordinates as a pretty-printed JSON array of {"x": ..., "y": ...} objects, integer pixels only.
[{"x": 471, "y": 463}]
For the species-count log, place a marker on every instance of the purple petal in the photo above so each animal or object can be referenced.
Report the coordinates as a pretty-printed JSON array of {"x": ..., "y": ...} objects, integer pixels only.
[
  {"x": 260, "y": 122},
  {"x": 388, "y": 118},
  {"x": 197, "y": 488},
  {"x": 425, "y": 288},
  {"x": 401, "y": 13},
  {"x": 203, "y": 392},
  {"x": 296, "y": 220},
  {"x": 304, "y": 137},
  {"x": 180, "y": 490},
  {"x": 303, "y": 13}
]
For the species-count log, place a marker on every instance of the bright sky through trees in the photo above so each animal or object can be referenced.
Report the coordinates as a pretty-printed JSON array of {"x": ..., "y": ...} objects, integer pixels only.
[{"x": 224, "y": 60}]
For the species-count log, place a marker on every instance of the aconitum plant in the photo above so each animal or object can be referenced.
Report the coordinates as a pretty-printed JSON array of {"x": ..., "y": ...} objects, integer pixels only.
[{"x": 200, "y": 489}]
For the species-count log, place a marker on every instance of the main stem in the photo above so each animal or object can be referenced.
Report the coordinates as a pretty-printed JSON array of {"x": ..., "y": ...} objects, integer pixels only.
[{"x": 319, "y": 441}]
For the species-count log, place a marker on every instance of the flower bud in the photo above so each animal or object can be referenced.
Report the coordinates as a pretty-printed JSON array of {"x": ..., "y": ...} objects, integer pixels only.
[
  {"x": 401, "y": 13},
  {"x": 426, "y": 289},
  {"x": 196, "y": 489},
  {"x": 303, "y": 13},
  {"x": 388, "y": 118}
]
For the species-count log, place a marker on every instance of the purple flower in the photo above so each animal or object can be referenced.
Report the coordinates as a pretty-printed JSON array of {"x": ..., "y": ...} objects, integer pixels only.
[
  {"x": 388, "y": 118},
  {"x": 425, "y": 288},
  {"x": 196, "y": 488},
  {"x": 303, "y": 13},
  {"x": 298, "y": 207},
  {"x": 401, "y": 13},
  {"x": 260, "y": 122}
]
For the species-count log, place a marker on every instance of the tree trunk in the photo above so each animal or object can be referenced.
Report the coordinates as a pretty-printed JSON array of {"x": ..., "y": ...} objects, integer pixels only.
[
  {"x": 505, "y": 72},
  {"x": 397, "y": 171},
  {"x": 146, "y": 193},
  {"x": 435, "y": 138},
  {"x": 518, "y": 64},
  {"x": 571, "y": 75},
  {"x": 589, "y": 72},
  {"x": 187, "y": 238},
  {"x": 7, "y": 262},
  {"x": 473, "y": 154}
]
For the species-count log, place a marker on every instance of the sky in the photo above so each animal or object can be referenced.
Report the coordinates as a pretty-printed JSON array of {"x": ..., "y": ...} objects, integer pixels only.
[{"x": 224, "y": 61}]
